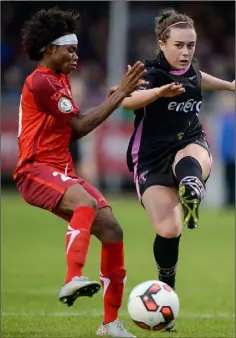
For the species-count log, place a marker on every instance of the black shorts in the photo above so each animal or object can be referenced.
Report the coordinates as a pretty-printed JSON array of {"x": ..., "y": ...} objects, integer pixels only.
[{"x": 162, "y": 173}]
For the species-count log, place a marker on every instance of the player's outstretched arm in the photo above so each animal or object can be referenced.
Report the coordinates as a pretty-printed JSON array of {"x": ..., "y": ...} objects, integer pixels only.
[
  {"x": 83, "y": 124},
  {"x": 141, "y": 98},
  {"x": 210, "y": 82}
]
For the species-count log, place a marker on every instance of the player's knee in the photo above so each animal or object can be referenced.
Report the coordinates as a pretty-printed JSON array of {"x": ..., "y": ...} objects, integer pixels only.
[
  {"x": 105, "y": 227},
  {"x": 76, "y": 196},
  {"x": 92, "y": 203},
  {"x": 171, "y": 229},
  {"x": 88, "y": 201},
  {"x": 109, "y": 231},
  {"x": 112, "y": 232},
  {"x": 116, "y": 232},
  {"x": 171, "y": 232}
]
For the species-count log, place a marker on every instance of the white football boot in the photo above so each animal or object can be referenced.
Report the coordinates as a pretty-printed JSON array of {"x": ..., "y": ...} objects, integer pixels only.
[
  {"x": 114, "y": 329},
  {"x": 78, "y": 287}
]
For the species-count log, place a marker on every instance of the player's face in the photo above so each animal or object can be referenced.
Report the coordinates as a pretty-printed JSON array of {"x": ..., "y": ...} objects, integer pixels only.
[
  {"x": 179, "y": 47},
  {"x": 65, "y": 58}
]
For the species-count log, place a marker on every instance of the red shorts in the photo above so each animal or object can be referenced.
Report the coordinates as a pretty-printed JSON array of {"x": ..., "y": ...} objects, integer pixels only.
[{"x": 43, "y": 186}]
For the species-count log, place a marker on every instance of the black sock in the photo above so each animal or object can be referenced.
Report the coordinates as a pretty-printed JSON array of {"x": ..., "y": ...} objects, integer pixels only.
[
  {"x": 166, "y": 251},
  {"x": 190, "y": 169},
  {"x": 188, "y": 166}
]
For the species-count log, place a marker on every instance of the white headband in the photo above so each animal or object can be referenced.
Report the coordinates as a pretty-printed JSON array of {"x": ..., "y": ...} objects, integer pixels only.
[{"x": 69, "y": 39}]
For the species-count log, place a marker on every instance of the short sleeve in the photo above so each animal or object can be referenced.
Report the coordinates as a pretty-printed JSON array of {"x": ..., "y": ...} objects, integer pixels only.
[{"x": 52, "y": 97}]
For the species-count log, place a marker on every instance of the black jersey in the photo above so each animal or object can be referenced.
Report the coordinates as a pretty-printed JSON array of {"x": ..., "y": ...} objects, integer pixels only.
[{"x": 167, "y": 124}]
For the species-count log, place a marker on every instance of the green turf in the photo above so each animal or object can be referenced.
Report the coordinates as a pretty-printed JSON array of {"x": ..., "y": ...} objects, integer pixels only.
[{"x": 33, "y": 267}]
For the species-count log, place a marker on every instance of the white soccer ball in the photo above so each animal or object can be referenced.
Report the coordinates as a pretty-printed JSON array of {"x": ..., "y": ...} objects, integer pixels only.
[{"x": 153, "y": 305}]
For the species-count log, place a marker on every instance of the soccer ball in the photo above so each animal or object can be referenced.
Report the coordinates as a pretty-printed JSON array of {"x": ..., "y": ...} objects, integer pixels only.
[{"x": 153, "y": 305}]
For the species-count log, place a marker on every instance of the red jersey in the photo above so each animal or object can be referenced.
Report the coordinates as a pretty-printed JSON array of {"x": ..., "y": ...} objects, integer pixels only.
[{"x": 44, "y": 135}]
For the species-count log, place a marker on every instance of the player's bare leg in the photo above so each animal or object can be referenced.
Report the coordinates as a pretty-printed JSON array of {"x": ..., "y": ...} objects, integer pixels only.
[
  {"x": 163, "y": 208},
  {"x": 112, "y": 272},
  {"x": 83, "y": 208}
]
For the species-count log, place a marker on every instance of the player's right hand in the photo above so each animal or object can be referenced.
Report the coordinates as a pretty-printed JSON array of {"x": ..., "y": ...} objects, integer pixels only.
[
  {"x": 232, "y": 85},
  {"x": 133, "y": 78},
  {"x": 171, "y": 90}
]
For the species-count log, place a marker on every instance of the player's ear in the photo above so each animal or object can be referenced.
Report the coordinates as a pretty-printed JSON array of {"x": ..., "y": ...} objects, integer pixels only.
[
  {"x": 161, "y": 45},
  {"x": 50, "y": 49}
]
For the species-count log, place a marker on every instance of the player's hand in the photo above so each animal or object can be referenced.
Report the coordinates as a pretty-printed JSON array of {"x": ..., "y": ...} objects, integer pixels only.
[
  {"x": 171, "y": 90},
  {"x": 112, "y": 90},
  {"x": 232, "y": 85},
  {"x": 133, "y": 78}
]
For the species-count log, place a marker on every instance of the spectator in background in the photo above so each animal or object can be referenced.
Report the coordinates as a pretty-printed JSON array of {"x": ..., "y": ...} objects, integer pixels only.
[
  {"x": 227, "y": 147},
  {"x": 88, "y": 88},
  {"x": 84, "y": 161},
  {"x": 13, "y": 79},
  {"x": 218, "y": 40}
]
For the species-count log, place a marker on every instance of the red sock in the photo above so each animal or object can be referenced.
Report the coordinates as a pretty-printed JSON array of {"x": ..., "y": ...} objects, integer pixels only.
[
  {"x": 77, "y": 240},
  {"x": 112, "y": 277}
]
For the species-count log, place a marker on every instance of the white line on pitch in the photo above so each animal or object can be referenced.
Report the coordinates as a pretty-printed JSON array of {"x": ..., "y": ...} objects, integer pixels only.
[
  {"x": 127, "y": 290},
  {"x": 95, "y": 313}
]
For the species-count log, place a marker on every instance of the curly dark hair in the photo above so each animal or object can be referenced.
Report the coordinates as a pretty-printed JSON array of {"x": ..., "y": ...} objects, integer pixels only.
[
  {"x": 44, "y": 27},
  {"x": 168, "y": 17}
]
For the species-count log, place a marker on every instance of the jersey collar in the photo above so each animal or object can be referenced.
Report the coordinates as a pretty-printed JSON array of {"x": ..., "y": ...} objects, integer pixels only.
[{"x": 161, "y": 62}]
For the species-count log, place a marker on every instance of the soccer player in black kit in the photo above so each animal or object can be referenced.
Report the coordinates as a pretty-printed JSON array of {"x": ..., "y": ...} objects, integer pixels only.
[{"x": 168, "y": 152}]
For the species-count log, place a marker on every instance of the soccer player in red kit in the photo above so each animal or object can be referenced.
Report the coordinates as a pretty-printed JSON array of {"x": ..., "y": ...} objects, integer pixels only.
[{"x": 45, "y": 177}]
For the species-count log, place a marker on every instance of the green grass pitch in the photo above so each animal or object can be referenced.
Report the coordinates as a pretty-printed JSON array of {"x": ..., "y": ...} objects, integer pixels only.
[{"x": 33, "y": 268}]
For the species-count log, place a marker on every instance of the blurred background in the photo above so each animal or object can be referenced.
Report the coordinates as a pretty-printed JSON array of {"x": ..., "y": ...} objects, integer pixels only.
[{"x": 112, "y": 35}]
